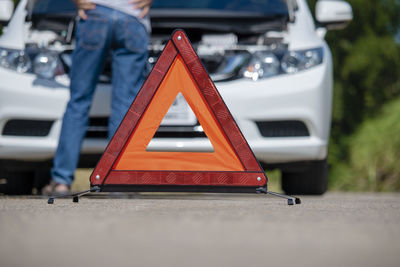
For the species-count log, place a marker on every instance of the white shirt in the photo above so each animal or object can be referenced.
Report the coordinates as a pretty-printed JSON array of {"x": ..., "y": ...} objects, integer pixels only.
[{"x": 126, "y": 7}]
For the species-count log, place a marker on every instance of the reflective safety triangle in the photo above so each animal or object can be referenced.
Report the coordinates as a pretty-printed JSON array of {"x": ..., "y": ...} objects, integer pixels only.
[{"x": 126, "y": 160}]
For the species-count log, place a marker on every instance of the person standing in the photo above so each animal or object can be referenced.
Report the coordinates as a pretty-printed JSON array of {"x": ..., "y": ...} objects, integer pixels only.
[{"x": 119, "y": 28}]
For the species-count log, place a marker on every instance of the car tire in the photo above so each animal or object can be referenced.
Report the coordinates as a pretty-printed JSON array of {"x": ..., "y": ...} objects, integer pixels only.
[
  {"x": 16, "y": 182},
  {"x": 311, "y": 181}
]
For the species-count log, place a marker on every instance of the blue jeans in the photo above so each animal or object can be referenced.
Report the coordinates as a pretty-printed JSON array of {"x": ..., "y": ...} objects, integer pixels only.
[{"x": 105, "y": 32}]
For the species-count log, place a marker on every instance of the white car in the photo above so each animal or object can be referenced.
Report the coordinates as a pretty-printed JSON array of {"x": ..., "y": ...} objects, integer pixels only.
[{"x": 268, "y": 59}]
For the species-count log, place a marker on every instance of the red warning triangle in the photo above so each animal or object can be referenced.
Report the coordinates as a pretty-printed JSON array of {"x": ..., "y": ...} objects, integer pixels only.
[{"x": 126, "y": 160}]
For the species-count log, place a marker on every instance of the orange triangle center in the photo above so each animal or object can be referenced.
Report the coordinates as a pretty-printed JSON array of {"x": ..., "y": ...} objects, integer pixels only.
[{"x": 134, "y": 155}]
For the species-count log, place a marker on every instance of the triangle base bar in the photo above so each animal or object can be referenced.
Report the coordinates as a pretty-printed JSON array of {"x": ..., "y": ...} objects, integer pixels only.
[
  {"x": 264, "y": 190},
  {"x": 177, "y": 189},
  {"x": 185, "y": 178},
  {"x": 75, "y": 196}
]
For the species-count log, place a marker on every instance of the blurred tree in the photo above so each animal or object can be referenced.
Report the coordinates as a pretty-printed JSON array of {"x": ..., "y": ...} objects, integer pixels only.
[
  {"x": 366, "y": 67},
  {"x": 366, "y": 61},
  {"x": 374, "y": 154}
]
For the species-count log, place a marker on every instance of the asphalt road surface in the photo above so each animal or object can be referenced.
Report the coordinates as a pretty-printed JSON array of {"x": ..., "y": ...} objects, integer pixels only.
[{"x": 337, "y": 229}]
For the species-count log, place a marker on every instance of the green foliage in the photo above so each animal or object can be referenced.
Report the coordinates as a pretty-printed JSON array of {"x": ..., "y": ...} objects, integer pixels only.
[
  {"x": 367, "y": 75},
  {"x": 366, "y": 62},
  {"x": 374, "y": 154}
]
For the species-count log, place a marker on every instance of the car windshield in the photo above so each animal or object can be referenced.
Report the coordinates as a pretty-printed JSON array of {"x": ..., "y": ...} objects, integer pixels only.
[{"x": 260, "y": 7}]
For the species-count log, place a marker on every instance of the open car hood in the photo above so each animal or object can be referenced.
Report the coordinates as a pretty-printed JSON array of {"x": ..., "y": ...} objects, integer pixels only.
[
  {"x": 168, "y": 20},
  {"x": 55, "y": 15},
  {"x": 216, "y": 21}
]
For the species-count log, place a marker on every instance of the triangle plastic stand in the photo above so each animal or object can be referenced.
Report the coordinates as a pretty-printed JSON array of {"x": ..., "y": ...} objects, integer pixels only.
[{"x": 127, "y": 166}]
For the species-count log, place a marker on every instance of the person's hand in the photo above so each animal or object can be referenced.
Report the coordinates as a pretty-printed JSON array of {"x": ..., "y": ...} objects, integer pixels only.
[
  {"x": 83, "y": 5},
  {"x": 141, "y": 4}
]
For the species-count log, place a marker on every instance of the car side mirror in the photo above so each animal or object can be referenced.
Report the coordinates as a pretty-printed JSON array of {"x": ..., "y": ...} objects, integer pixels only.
[
  {"x": 333, "y": 14},
  {"x": 6, "y": 10}
]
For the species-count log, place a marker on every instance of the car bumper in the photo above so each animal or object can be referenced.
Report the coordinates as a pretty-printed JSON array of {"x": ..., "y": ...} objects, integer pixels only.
[
  {"x": 304, "y": 97},
  {"x": 25, "y": 97}
]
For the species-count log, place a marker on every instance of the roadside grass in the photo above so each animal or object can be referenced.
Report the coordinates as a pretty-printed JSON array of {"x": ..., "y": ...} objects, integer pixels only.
[
  {"x": 374, "y": 158},
  {"x": 81, "y": 181}
]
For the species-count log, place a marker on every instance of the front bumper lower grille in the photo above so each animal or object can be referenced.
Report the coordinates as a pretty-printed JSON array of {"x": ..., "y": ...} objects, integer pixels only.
[
  {"x": 35, "y": 128},
  {"x": 289, "y": 128},
  {"x": 98, "y": 128}
]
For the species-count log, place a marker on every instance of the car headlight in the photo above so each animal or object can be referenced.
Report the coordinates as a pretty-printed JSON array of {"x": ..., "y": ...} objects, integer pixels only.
[
  {"x": 15, "y": 60},
  {"x": 268, "y": 64},
  {"x": 3, "y": 58},
  {"x": 295, "y": 61},
  {"x": 44, "y": 63},
  {"x": 262, "y": 65}
]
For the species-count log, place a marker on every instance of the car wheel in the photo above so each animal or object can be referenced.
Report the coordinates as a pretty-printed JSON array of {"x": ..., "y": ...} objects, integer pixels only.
[
  {"x": 16, "y": 182},
  {"x": 311, "y": 181}
]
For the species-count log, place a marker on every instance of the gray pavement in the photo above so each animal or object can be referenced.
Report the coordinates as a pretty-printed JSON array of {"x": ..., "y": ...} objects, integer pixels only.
[{"x": 338, "y": 229}]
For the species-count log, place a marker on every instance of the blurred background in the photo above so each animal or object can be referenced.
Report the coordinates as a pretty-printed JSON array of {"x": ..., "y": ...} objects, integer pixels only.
[
  {"x": 364, "y": 150},
  {"x": 364, "y": 146}
]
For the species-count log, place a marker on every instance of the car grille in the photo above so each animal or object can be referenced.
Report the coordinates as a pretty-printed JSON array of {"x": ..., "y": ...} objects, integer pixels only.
[
  {"x": 290, "y": 128},
  {"x": 179, "y": 132},
  {"x": 98, "y": 128}
]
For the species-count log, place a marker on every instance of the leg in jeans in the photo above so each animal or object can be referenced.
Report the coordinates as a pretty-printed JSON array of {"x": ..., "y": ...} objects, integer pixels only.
[
  {"x": 129, "y": 59},
  {"x": 89, "y": 56}
]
